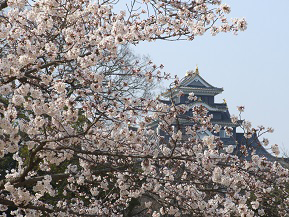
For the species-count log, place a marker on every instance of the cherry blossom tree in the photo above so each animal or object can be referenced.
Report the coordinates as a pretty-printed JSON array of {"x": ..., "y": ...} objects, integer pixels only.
[{"x": 80, "y": 140}]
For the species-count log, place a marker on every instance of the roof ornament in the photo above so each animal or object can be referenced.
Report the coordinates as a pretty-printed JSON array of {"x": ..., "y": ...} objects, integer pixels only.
[
  {"x": 197, "y": 70},
  {"x": 191, "y": 72},
  {"x": 225, "y": 102}
]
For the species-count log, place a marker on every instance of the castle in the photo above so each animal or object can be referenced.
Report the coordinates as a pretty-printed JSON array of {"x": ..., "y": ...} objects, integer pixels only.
[{"x": 205, "y": 93}]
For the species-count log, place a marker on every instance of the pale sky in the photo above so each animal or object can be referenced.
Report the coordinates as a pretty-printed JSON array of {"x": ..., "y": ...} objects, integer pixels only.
[{"x": 251, "y": 67}]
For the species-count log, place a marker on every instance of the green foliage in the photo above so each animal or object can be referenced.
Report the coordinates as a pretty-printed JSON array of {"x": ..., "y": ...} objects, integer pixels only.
[{"x": 6, "y": 164}]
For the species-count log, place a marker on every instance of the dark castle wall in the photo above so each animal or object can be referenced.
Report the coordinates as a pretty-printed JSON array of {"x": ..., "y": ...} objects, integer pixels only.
[{"x": 207, "y": 99}]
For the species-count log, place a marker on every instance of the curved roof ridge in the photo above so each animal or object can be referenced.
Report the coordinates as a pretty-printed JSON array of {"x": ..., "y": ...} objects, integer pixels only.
[{"x": 191, "y": 76}]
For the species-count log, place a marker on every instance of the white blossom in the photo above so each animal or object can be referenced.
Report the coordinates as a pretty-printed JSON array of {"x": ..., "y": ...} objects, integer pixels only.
[
  {"x": 275, "y": 149},
  {"x": 230, "y": 149}
]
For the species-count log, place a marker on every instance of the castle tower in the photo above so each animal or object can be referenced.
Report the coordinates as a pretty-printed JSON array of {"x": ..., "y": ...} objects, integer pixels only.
[
  {"x": 205, "y": 93},
  {"x": 193, "y": 82}
]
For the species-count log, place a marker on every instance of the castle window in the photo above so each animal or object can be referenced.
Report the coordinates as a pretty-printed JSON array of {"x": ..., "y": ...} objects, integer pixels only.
[
  {"x": 174, "y": 129},
  {"x": 177, "y": 100},
  {"x": 217, "y": 116},
  {"x": 158, "y": 131},
  {"x": 223, "y": 134}
]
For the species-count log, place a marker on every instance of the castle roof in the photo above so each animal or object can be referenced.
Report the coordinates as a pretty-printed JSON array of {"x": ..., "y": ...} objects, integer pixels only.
[{"x": 194, "y": 82}]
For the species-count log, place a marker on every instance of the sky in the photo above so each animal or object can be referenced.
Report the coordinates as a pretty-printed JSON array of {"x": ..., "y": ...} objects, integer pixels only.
[{"x": 251, "y": 67}]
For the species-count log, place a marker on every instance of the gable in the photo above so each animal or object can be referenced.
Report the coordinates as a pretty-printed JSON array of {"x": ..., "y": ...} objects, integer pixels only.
[{"x": 195, "y": 81}]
